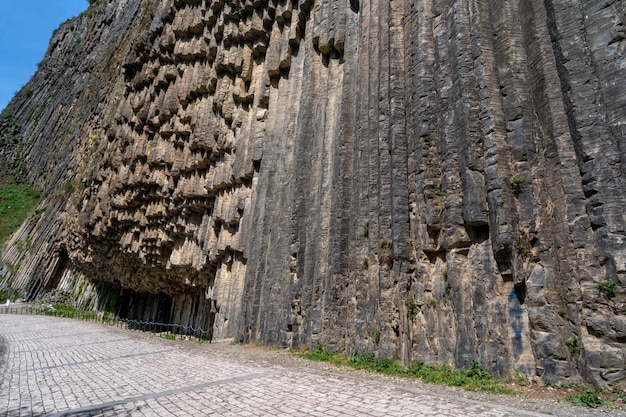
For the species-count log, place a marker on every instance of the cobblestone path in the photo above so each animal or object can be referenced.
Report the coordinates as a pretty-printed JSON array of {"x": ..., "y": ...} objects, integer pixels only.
[{"x": 61, "y": 367}]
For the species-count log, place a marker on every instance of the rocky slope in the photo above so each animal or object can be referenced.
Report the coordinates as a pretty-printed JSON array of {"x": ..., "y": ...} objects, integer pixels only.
[{"x": 433, "y": 180}]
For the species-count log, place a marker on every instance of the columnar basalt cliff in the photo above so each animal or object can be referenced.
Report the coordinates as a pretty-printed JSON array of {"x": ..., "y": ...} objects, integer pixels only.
[{"x": 447, "y": 175}]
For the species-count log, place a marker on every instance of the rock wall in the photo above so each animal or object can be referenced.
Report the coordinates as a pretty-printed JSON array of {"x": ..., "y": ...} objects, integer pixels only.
[
  {"x": 57, "y": 114},
  {"x": 432, "y": 180}
]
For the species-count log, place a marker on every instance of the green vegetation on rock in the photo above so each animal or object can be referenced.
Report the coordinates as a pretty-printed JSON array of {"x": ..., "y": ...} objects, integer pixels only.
[
  {"x": 7, "y": 295},
  {"x": 411, "y": 307},
  {"x": 16, "y": 202},
  {"x": 607, "y": 288}
]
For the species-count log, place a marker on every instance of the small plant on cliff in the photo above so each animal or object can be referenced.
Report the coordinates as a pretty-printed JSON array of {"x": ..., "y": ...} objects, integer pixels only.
[
  {"x": 366, "y": 228},
  {"x": 386, "y": 252},
  {"x": 607, "y": 288},
  {"x": 523, "y": 250},
  {"x": 521, "y": 379},
  {"x": 69, "y": 187},
  {"x": 446, "y": 284},
  {"x": 572, "y": 346},
  {"x": 411, "y": 307},
  {"x": 14, "y": 268},
  {"x": 516, "y": 184},
  {"x": 376, "y": 336}
]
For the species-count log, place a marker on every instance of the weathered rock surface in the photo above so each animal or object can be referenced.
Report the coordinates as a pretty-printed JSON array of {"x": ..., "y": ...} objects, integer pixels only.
[{"x": 433, "y": 180}]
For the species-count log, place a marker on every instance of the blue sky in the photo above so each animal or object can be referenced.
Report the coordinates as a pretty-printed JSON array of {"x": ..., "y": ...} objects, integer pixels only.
[{"x": 26, "y": 27}]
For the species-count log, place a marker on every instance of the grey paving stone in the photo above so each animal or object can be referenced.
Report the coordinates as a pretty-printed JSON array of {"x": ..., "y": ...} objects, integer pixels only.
[{"x": 61, "y": 367}]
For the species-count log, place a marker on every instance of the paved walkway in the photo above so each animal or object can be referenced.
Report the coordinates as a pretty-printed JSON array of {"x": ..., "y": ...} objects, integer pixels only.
[{"x": 61, "y": 367}]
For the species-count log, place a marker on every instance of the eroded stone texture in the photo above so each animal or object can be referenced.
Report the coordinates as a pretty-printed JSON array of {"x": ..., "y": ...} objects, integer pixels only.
[{"x": 445, "y": 173}]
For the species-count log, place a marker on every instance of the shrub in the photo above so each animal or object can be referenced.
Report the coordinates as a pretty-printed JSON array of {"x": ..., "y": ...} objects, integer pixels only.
[
  {"x": 376, "y": 336},
  {"x": 320, "y": 353},
  {"x": 523, "y": 250},
  {"x": 475, "y": 371},
  {"x": 369, "y": 362},
  {"x": 411, "y": 307},
  {"x": 69, "y": 187},
  {"x": 607, "y": 288},
  {"x": 7, "y": 295},
  {"x": 516, "y": 184},
  {"x": 572, "y": 346},
  {"x": 588, "y": 399},
  {"x": 386, "y": 252}
]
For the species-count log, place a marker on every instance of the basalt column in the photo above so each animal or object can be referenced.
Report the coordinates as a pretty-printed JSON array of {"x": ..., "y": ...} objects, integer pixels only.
[{"x": 427, "y": 180}]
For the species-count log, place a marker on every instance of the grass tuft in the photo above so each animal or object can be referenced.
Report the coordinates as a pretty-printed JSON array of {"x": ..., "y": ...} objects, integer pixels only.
[
  {"x": 588, "y": 399},
  {"x": 320, "y": 353},
  {"x": 376, "y": 336},
  {"x": 369, "y": 362},
  {"x": 607, "y": 288},
  {"x": 411, "y": 307}
]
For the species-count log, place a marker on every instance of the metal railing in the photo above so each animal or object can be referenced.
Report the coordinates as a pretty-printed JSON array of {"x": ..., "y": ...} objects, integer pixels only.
[
  {"x": 18, "y": 309},
  {"x": 174, "y": 329}
]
